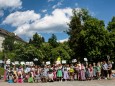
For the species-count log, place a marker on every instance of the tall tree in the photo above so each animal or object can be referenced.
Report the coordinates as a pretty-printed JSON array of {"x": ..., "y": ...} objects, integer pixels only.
[
  {"x": 37, "y": 40},
  {"x": 96, "y": 39},
  {"x": 76, "y": 25},
  {"x": 88, "y": 37},
  {"x": 53, "y": 41},
  {"x": 111, "y": 25},
  {"x": 111, "y": 29}
]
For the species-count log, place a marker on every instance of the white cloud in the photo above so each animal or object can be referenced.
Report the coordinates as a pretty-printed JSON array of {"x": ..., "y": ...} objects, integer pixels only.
[
  {"x": 44, "y": 10},
  {"x": 1, "y": 13},
  {"x": 50, "y": 0},
  {"x": 63, "y": 40},
  {"x": 58, "y": 4},
  {"x": 21, "y": 18},
  {"x": 29, "y": 22},
  {"x": 10, "y": 4}
]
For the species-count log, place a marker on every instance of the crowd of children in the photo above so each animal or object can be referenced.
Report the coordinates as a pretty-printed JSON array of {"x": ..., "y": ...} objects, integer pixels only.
[{"x": 66, "y": 72}]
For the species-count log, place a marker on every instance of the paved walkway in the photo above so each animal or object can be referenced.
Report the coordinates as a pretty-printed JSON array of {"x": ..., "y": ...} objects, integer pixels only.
[{"x": 66, "y": 83}]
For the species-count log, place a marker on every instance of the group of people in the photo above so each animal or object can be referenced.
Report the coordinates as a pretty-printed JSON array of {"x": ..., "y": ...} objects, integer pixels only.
[{"x": 58, "y": 72}]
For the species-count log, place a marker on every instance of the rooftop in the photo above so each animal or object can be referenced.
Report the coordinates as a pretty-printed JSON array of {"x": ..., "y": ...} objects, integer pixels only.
[{"x": 6, "y": 33}]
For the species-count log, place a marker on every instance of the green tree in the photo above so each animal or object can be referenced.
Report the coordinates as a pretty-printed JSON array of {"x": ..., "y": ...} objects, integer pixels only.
[
  {"x": 53, "y": 41},
  {"x": 111, "y": 25},
  {"x": 37, "y": 40},
  {"x": 65, "y": 46},
  {"x": 111, "y": 29},
  {"x": 8, "y": 43},
  {"x": 30, "y": 41},
  {"x": 96, "y": 39},
  {"x": 46, "y": 49},
  {"x": 28, "y": 53},
  {"x": 88, "y": 37},
  {"x": 76, "y": 25},
  {"x": 59, "y": 51}
]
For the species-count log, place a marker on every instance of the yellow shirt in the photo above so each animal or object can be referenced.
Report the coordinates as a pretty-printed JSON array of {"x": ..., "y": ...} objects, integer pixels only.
[{"x": 71, "y": 70}]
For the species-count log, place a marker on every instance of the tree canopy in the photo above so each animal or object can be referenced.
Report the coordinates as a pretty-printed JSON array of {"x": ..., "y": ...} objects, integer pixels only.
[{"x": 88, "y": 38}]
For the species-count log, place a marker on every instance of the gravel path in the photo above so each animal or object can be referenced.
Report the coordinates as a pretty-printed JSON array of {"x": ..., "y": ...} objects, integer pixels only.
[{"x": 66, "y": 83}]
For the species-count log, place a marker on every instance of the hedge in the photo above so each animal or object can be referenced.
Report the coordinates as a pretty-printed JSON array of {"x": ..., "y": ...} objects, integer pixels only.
[{"x": 1, "y": 71}]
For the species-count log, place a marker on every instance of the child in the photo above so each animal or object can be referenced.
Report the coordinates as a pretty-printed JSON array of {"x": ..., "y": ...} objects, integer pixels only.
[
  {"x": 30, "y": 79},
  {"x": 94, "y": 71},
  {"x": 20, "y": 78},
  {"x": 98, "y": 71},
  {"x": 10, "y": 78},
  {"x": 54, "y": 75},
  {"x": 44, "y": 75},
  {"x": 87, "y": 75},
  {"x": 71, "y": 73},
  {"x": 91, "y": 71},
  {"x": 37, "y": 76},
  {"x": 65, "y": 75},
  {"x": 14, "y": 78},
  {"x": 50, "y": 75},
  {"x": 26, "y": 76},
  {"x": 83, "y": 72},
  {"x": 76, "y": 68},
  {"x": 59, "y": 74}
]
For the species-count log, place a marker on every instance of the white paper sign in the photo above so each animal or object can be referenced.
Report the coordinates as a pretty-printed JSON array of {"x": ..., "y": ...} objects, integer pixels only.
[
  {"x": 48, "y": 63},
  {"x": 74, "y": 60},
  {"x": 16, "y": 62},
  {"x": 1, "y": 61},
  {"x": 63, "y": 61},
  {"x": 8, "y": 62},
  {"x": 27, "y": 63},
  {"x": 31, "y": 63},
  {"x": 22, "y": 63},
  {"x": 85, "y": 59},
  {"x": 58, "y": 62}
]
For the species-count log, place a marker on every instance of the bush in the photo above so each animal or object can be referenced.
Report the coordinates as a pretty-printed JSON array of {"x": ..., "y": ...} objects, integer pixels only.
[
  {"x": 1, "y": 55},
  {"x": 2, "y": 71}
]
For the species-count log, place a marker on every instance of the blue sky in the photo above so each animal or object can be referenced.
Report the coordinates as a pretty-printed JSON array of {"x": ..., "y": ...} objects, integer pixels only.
[{"x": 26, "y": 17}]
